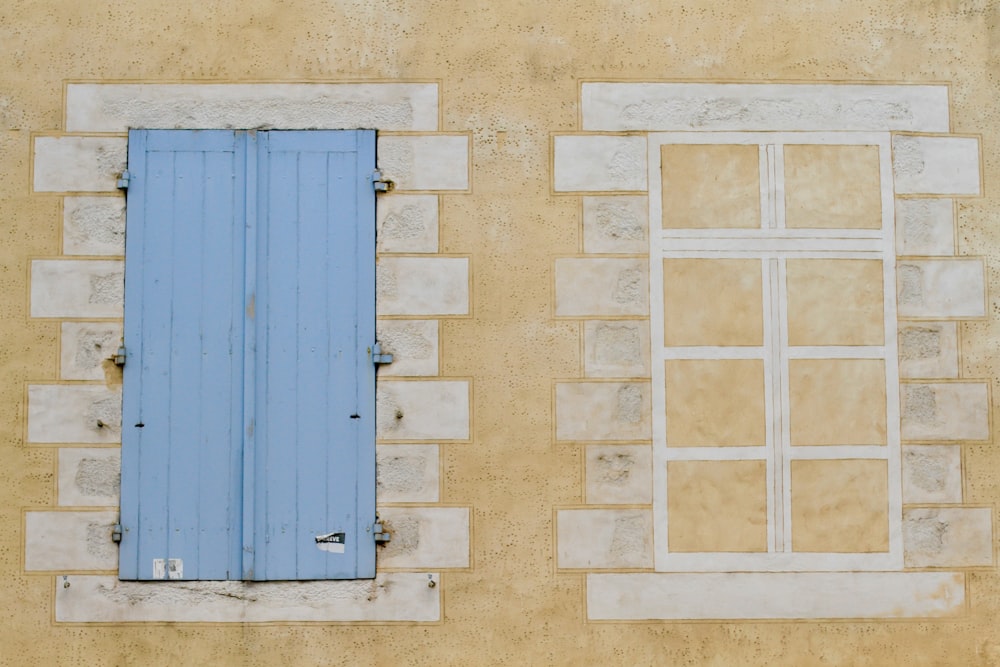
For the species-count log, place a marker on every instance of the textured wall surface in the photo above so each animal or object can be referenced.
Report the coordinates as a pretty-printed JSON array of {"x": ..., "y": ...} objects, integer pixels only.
[{"x": 524, "y": 346}]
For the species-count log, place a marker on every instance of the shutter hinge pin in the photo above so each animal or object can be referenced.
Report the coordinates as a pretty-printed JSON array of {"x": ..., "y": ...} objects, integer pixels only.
[
  {"x": 116, "y": 533},
  {"x": 380, "y": 534},
  {"x": 381, "y": 184},
  {"x": 120, "y": 356},
  {"x": 123, "y": 180},
  {"x": 378, "y": 357}
]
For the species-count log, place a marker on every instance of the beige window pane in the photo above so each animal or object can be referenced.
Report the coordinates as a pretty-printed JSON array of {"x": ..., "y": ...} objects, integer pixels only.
[
  {"x": 717, "y": 506},
  {"x": 712, "y": 302},
  {"x": 837, "y": 401},
  {"x": 832, "y": 187},
  {"x": 835, "y": 302},
  {"x": 715, "y": 402},
  {"x": 710, "y": 186},
  {"x": 840, "y": 506}
]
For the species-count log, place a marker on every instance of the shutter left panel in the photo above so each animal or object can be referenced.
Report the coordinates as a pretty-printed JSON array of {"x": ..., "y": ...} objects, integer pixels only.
[{"x": 183, "y": 377}]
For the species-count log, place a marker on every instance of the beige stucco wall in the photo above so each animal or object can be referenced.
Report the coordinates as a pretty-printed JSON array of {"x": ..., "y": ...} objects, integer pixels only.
[{"x": 510, "y": 75}]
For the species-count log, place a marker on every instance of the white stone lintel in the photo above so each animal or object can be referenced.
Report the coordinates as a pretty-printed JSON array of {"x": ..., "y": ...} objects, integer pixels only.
[
  {"x": 763, "y": 107},
  {"x": 116, "y": 107},
  {"x": 774, "y": 595},
  {"x": 395, "y": 596}
]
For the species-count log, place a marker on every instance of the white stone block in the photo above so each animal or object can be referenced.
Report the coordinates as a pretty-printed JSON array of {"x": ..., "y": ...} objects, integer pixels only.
[
  {"x": 89, "y": 476},
  {"x": 86, "y": 414},
  {"x": 425, "y": 537},
  {"x": 94, "y": 225},
  {"x": 77, "y": 288},
  {"x": 601, "y": 539},
  {"x": 616, "y": 348},
  {"x": 932, "y": 474},
  {"x": 406, "y": 223},
  {"x": 925, "y": 227},
  {"x": 95, "y": 107},
  {"x": 86, "y": 347},
  {"x": 763, "y": 107},
  {"x": 928, "y": 350},
  {"x": 393, "y": 596},
  {"x": 616, "y": 224},
  {"x": 413, "y": 345},
  {"x": 601, "y": 286},
  {"x": 935, "y": 165},
  {"x": 948, "y": 411},
  {"x": 422, "y": 410},
  {"x": 600, "y": 163},
  {"x": 948, "y": 537},
  {"x": 69, "y": 541},
  {"x": 619, "y": 474},
  {"x": 778, "y": 595},
  {"x": 945, "y": 288},
  {"x": 603, "y": 411},
  {"x": 78, "y": 164},
  {"x": 425, "y": 162},
  {"x": 422, "y": 286},
  {"x": 407, "y": 474}
]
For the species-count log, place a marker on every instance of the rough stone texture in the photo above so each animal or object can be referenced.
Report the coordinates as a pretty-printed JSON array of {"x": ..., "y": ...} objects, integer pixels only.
[
  {"x": 617, "y": 348},
  {"x": 601, "y": 286},
  {"x": 89, "y": 476},
  {"x": 925, "y": 227},
  {"x": 932, "y": 474},
  {"x": 78, "y": 164},
  {"x": 69, "y": 541},
  {"x": 422, "y": 410},
  {"x": 430, "y": 162},
  {"x": 601, "y": 539},
  {"x": 398, "y": 596},
  {"x": 406, "y": 223},
  {"x": 945, "y": 411},
  {"x": 935, "y": 165},
  {"x": 413, "y": 345},
  {"x": 77, "y": 288},
  {"x": 928, "y": 350},
  {"x": 616, "y": 224},
  {"x": 948, "y": 537},
  {"x": 599, "y": 163},
  {"x": 602, "y": 411},
  {"x": 407, "y": 474},
  {"x": 763, "y": 106},
  {"x": 94, "y": 226},
  {"x": 118, "y": 107},
  {"x": 619, "y": 474},
  {"x": 941, "y": 288},
  {"x": 74, "y": 413},
  {"x": 422, "y": 286},
  {"x": 85, "y": 347},
  {"x": 425, "y": 537}
]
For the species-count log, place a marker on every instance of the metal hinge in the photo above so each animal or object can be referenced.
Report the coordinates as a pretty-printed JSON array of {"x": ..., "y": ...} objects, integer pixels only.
[
  {"x": 380, "y": 534},
  {"x": 123, "y": 180},
  {"x": 381, "y": 184},
  {"x": 116, "y": 533},
  {"x": 378, "y": 357},
  {"x": 120, "y": 356}
]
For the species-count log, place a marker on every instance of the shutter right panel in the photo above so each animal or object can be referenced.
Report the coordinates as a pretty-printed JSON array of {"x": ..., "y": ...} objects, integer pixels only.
[{"x": 314, "y": 439}]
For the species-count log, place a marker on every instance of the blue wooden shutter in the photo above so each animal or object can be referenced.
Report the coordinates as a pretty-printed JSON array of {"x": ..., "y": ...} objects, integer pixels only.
[
  {"x": 249, "y": 388},
  {"x": 183, "y": 385},
  {"x": 313, "y": 444}
]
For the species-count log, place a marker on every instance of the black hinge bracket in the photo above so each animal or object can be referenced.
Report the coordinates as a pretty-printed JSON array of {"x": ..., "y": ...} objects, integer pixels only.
[
  {"x": 123, "y": 180},
  {"x": 381, "y": 184}
]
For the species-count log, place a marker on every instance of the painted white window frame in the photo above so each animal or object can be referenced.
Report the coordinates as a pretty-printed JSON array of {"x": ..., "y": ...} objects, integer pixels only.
[{"x": 775, "y": 243}]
